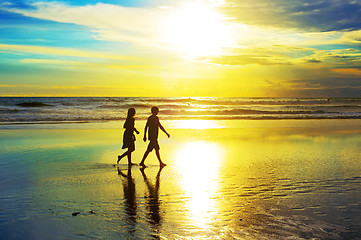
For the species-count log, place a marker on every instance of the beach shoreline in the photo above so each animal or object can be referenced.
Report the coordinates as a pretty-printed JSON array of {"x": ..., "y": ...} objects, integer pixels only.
[{"x": 187, "y": 123}]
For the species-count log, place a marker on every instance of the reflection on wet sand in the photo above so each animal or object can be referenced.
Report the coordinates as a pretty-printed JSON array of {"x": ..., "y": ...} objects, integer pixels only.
[
  {"x": 152, "y": 201},
  {"x": 198, "y": 163},
  {"x": 284, "y": 181},
  {"x": 130, "y": 199}
]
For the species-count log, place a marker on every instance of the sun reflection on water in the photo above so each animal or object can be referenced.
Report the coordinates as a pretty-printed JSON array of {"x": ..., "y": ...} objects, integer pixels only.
[
  {"x": 196, "y": 124},
  {"x": 198, "y": 162}
]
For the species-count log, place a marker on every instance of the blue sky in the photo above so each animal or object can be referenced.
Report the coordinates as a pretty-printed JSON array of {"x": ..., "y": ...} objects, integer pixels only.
[{"x": 181, "y": 48}]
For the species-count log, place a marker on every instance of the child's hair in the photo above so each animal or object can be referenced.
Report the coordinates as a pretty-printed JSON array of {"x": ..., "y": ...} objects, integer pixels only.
[
  {"x": 155, "y": 109},
  {"x": 131, "y": 112}
]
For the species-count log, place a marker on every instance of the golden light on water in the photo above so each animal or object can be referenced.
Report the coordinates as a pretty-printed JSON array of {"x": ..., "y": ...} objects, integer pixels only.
[
  {"x": 199, "y": 163},
  {"x": 196, "y": 30},
  {"x": 196, "y": 124}
]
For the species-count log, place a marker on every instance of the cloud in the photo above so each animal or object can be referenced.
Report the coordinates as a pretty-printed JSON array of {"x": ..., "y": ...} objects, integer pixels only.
[
  {"x": 315, "y": 15},
  {"x": 88, "y": 65},
  {"x": 14, "y": 85},
  {"x": 15, "y": 49},
  {"x": 16, "y": 4},
  {"x": 351, "y": 37},
  {"x": 314, "y": 61},
  {"x": 55, "y": 62},
  {"x": 109, "y": 22},
  {"x": 249, "y": 59},
  {"x": 280, "y": 55},
  {"x": 349, "y": 71},
  {"x": 349, "y": 57},
  {"x": 272, "y": 84},
  {"x": 316, "y": 87},
  {"x": 57, "y": 90}
]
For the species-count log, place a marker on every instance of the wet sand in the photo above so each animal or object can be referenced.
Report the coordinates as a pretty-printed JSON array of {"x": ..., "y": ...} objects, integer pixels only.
[{"x": 225, "y": 180}]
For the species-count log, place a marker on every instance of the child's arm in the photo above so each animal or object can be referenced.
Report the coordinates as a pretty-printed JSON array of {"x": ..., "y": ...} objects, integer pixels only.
[
  {"x": 136, "y": 130},
  {"x": 162, "y": 128},
  {"x": 145, "y": 131}
]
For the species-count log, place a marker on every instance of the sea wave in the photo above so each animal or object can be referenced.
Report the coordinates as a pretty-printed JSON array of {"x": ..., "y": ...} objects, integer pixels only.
[
  {"x": 29, "y": 109},
  {"x": 33, "y": 104}
]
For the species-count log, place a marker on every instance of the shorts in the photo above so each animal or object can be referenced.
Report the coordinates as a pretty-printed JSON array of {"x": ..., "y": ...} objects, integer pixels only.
[{"x": 153, "y": 145}]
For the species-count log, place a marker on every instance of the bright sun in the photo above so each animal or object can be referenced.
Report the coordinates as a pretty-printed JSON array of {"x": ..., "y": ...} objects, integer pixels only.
[{"x": 196, "y": 30}]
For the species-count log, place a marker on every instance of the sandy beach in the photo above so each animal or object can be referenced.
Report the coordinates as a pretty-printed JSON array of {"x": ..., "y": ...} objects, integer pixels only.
[{"x": 235, "y": 179}]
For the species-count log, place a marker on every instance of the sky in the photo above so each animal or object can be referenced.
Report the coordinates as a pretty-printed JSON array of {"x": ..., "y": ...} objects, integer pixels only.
[{"x": 212, "y": 48}]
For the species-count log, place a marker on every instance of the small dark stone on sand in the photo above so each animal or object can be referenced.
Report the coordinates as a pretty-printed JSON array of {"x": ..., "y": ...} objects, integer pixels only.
[
  {"x": 91, "y": 212},
  {"x": 75, "y": 213}
]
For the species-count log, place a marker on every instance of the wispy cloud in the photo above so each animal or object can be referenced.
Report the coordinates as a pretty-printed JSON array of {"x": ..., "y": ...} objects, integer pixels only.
[
  {"x": 315, "y": 15},
  {"x": 337, "y": 58},
  {"x": 109, "y": 22},
  {"x": 250, "y": 59},
  {"x": 349, "y": 71},
  {"x": 15, "y": 85},
  {"x": 83, "y": 65},
  {"x": 59, "y": 51}
]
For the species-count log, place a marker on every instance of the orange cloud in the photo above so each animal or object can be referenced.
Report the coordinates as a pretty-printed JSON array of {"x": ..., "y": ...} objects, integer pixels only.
[{"x": 348, "y": 71}]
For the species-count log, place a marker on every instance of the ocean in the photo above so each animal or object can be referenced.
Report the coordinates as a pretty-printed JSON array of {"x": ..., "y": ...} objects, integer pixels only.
[{"x": 88, "y": 109}]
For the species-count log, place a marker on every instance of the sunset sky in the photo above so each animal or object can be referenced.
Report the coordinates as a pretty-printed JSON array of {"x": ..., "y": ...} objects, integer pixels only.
[{"x": 248, "y": 48}]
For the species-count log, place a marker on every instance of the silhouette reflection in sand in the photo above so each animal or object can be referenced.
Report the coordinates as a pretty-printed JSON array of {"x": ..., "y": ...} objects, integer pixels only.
[
  {"x": 152, "y": 202},
  {"x": 130, "y": 199}
]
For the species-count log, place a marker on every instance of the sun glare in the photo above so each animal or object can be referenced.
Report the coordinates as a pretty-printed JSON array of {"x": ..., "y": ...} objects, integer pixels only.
[{"x": 196, "y": 30}]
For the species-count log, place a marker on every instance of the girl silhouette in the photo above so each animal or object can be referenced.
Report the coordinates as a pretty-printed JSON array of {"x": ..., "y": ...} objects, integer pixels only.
[{"x": 128, "y": 137}]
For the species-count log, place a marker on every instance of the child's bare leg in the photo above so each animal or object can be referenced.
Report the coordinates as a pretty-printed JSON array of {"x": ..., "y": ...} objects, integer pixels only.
[
  {"x": 162, "y": 164},
  {"x": 123, "y": 155},
  {"x": 129, "y": 158},
  {"x": 144, "y": 157}
]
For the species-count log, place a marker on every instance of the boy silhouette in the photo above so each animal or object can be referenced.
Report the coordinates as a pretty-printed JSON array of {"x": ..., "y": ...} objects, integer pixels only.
[{"x": 153, "y": 125}]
